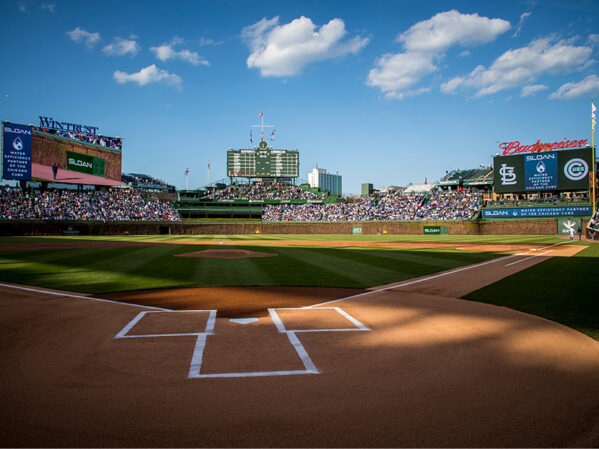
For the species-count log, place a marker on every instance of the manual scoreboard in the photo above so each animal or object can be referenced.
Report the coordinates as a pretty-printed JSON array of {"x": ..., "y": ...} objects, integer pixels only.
[{"x": 263, "y": 162}]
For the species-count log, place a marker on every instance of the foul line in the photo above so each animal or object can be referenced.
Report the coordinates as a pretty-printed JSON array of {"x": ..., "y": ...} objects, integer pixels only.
[
  {"x": 70, "y": 295},
  {"x": 432, "y": 277},
  {"x": 523, "y": 260}
]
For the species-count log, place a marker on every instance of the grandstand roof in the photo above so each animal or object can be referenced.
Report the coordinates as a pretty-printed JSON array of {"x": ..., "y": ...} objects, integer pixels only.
[
  {"x": 420, "y": 188},
  {"x": 472, "y": 176}
]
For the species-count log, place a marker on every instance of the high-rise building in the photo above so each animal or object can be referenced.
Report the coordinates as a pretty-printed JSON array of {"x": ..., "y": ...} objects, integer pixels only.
[{"x": 325, "y": 181}]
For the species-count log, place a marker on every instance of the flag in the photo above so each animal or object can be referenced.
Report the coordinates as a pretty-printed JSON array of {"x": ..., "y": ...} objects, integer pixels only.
[
  {"x": 251, "y": 136},
  {"x": 593, "y": 119},
  {"x": 272, "y": 135},
  {"x": 208, "y": 165},
  {"x": 260, "y": 115},
  {"x": 186, "y": 171}
]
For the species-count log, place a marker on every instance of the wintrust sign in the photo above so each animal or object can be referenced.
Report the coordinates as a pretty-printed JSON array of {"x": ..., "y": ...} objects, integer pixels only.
[{"x": 514, "y": 147}]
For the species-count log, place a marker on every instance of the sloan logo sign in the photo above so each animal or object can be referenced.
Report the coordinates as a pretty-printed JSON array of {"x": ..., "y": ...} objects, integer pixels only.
[{"x": 80, "y": 163}]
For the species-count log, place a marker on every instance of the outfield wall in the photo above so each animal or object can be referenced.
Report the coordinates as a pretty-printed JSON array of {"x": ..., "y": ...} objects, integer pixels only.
[{"x": 499, "y": 227}]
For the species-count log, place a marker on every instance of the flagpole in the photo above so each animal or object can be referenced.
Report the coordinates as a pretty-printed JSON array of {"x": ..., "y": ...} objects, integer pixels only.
[{"x": 593, "y": 120}]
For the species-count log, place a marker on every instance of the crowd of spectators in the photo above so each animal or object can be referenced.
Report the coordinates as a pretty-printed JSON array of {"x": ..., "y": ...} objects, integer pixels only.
[
  {"x": 261, "y": 191},
  {"x": 96, "y": 139},
  {"x": 146, "y": 182},
  {"x": 91, "y": 205},
  {"x": 452, "y": 205}
]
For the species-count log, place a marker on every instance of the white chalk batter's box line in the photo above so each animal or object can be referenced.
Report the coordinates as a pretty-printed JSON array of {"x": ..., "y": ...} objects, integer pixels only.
[
  {"x": 198, "y": 353},
  {"x": 209, "y": 330}
]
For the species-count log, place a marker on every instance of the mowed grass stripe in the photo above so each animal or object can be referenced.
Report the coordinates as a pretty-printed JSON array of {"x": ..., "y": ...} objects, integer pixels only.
[
  {"x": 85, "y": 270},
  {"x": 109, "y": 269},
  {"x": 325, "y": 267},
  {"x": 562, "y": 289}
]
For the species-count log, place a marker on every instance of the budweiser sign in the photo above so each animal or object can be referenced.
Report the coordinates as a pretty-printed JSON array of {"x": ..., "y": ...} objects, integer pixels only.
[{"x": 515, "y": 147}]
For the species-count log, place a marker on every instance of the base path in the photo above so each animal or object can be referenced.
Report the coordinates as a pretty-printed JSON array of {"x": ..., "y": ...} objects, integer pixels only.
[{"x": 400, "y": 365}]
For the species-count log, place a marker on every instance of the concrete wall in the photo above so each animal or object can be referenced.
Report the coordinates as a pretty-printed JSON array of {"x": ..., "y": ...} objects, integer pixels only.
[{"x": 507, "y": 227}]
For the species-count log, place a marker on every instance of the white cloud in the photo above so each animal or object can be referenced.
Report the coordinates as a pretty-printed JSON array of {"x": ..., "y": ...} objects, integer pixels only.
[
  {"x": 48, "y": 7},
  {"x": 84, "y": 37},
  {"x": 121, "y": 47},
  {"x": 587, "y": 87},
  {"x": 205, "y": 42},
  {"x": 166, "y": 52},
  {"x": 408, "y": 93},
  {"x": 22, "y": 7},
  {"x": 425, "y": 43},
  {"x": 523, "y": 17},
  {"x": 147, "y": 75},
  {"x": 450, "y": 86},
  {"x": 524, "y": 65},
  {"x": 397, "y": 72},
  {"x": 450, "y": 28},
  {"x": 284, "y": 50},
  {"x": 531, "y": 89},
  {"x": 594, "y": 40}
]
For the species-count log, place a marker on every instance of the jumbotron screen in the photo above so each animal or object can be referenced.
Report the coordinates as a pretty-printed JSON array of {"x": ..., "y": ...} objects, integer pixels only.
[
  {"x": 543, "y": 171},
  {"x": 263, "y": 162},
  {"x": 30, "y": 153}
]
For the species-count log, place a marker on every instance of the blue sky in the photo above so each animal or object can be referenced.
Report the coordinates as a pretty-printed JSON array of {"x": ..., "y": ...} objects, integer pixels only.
[{"x": 386, "y": 92}]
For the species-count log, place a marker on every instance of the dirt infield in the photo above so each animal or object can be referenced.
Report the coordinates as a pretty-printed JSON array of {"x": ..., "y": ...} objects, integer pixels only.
[
  {"x": 232, "y": 302},
  {"x": 405, "y": 364}
]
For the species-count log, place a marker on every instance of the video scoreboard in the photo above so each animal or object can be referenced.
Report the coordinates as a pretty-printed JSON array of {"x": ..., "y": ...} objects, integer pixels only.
[
  {"x": 263, "y": 162},
  {"x": 543, "y": 171}
]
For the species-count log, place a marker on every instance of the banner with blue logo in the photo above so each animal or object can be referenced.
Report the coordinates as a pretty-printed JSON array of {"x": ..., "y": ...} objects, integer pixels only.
[
  {"x": 540, "y": 171},
  {"x": 16, "y": 151},
  {"x": 526, "y": 212}
]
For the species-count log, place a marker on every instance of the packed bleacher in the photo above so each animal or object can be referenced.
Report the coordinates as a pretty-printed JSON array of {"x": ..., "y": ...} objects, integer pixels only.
[
  {"x": 260, "y": 191},
  {"x": 95, "y": 139},
  {"x": 91, "y": 205},
  {"x": 146, "y": 182},
  {"x": 452, "y": 205}
]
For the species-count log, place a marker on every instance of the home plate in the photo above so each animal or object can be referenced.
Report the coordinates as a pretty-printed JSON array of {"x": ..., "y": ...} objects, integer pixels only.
[{"x": 243, "y": 320}]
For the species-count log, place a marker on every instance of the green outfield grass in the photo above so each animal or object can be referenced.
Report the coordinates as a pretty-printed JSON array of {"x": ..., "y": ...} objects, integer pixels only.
[
  {"x": 109, "y": 269},
  {"x": 562, "y": 289}
]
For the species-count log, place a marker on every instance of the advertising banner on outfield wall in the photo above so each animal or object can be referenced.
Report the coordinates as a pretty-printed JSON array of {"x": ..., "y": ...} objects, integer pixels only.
[
  {"x": 537, "y": 172},
  {"x": 526, "y": 212},
  {"x": 16, "y": 151},
  {"x": 439, "y": 230}
]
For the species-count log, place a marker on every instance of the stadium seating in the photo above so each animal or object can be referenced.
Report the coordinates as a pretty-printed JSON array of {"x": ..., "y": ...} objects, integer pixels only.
[
  {"x": 451, "y": 205},
  {"x": 92, "y": 205}
]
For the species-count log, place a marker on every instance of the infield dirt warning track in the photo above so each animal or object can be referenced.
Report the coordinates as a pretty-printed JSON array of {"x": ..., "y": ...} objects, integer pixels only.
[{"x": 405, "y": 364}]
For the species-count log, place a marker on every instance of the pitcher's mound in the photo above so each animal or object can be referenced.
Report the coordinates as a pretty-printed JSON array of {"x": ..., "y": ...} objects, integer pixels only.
[{"x": 225, "y": 254}]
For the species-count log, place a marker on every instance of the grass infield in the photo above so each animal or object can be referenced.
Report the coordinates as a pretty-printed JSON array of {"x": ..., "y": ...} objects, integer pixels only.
[
  {"x": 560, "y": 289},
  {"x": 112, "y": 269}
]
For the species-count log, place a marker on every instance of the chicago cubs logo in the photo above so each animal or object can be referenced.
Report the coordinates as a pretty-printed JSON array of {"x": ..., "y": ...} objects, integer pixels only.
[{"x": 576, "y": 169}]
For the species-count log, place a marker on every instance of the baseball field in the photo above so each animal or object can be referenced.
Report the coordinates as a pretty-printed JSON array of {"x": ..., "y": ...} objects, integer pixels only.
[{"x": 299, "y": 340}]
